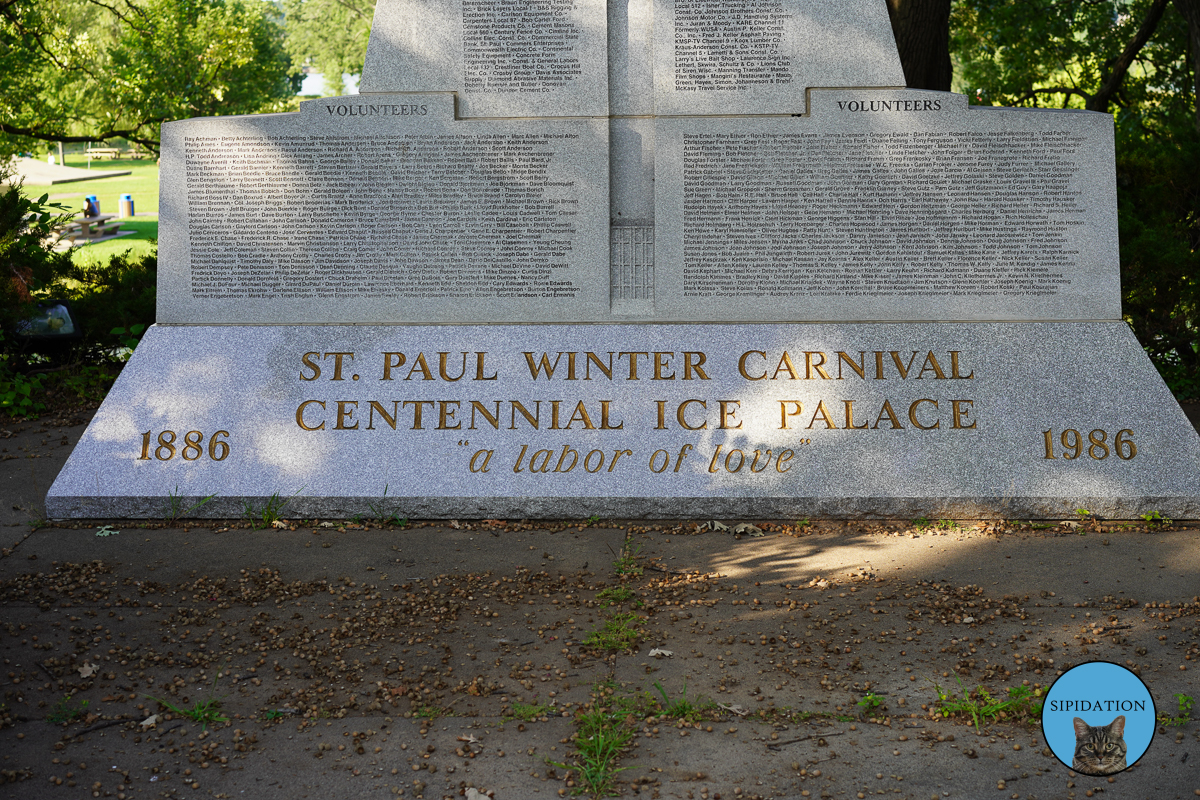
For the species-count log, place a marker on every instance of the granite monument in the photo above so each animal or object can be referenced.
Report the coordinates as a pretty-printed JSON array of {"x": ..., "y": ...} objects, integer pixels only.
[{"x": 642, "y": 258}]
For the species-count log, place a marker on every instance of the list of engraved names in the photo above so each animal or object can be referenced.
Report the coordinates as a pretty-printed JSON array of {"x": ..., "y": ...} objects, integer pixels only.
[
  {"x": 523, "y": 46},
  {"x": 410, "y": 215},
  {"x": 724, "y": 46},
  {"x": 879, "y": 214}
]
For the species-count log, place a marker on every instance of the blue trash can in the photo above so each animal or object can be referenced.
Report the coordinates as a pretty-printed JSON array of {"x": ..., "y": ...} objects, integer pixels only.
[
  {"x": 126, "y": 205},
  {"x": 94, "y": 204}
]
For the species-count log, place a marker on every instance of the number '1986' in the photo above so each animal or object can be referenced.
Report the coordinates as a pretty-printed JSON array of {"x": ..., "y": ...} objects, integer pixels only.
[
  {"x": 1097, "y": 447},
  {"x": 191, "y": 450}
]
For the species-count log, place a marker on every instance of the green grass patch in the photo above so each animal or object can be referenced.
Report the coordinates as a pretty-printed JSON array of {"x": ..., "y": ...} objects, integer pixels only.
[
  {"x": 614, "y": 595},
  {"x": 619, "y": 634},
  {"x": 681, "y": 707},
  {"x": 142, "y": 183},
  {"x": 66, "y": 710},
  {"x": 1023, "y": 704},
  {"x": 528, "y": 712},
  {"x": 1186, "y": 702},
  {"x": 601, "y": 735},
  {"x": 627, "y": 561}
]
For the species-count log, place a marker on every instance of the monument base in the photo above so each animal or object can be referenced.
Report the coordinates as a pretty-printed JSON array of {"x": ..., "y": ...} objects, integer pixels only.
[{"x": 965, "y": 420}]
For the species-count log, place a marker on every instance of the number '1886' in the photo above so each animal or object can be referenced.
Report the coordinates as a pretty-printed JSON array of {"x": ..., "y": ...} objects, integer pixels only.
[
  {"x": 1097, "y": 445},
  {"x": 191, "y": 448}
]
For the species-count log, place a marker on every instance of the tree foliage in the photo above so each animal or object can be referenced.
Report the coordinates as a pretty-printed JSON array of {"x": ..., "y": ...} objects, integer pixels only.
[
  {"x": 1136, "y": 59},
  {"x": 87, "y": 70},
  {"x": 330, "y": 36}
]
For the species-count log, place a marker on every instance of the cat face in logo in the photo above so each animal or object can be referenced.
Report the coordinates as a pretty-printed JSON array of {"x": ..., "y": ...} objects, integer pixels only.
[{"x": 1099, "y": 750}]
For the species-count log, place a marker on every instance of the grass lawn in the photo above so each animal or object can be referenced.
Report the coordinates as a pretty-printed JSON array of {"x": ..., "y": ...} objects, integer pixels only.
[{"x": 142, "y": 184}]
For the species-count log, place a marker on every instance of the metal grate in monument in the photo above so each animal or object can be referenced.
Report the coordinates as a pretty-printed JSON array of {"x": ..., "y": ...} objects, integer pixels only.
[{"x": 632, "y": 263}]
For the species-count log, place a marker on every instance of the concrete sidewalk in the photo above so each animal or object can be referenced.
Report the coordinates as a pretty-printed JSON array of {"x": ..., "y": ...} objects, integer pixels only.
[{"x": 354, "y": 660}]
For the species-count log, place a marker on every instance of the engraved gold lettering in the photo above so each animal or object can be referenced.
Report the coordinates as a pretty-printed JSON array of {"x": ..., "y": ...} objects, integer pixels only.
[
  {"x": 587, "y": 461},
  {"x": 954, "y": 367},
  {"x": 554, "y": 408},
  {"x": 605, "y": 424},
  {"x": 442, "y": 357},
  {"x": 308, "y": 362},
  {"x": 390, "y": 419},
  {"x": 536, "y": 369},
  {"x": 961, "y": 413},
  {"x": 860, "y": 368},
  {"x": 741, "y": 460},
  {"x": 423, "y": 366},
  {"x": 931, "y": 365},
  {"x": 617, "y": 454},
  {"x": 798, "y": 409},
  {"x": 785, "y": 362},
  {"x": 520, "y": 458},
  {"x": 662, "y": 361},
  {"x": 592, "y": 358},
  {"x": 766, "y": 461},
  {"x": 479, "y": 370},
  {"x": 729, "y": 410},
  {"x": 890, "y": 414},
  {"x": 337, "y": 364},
  {"x": 781, "y": 463},
  {"x": 487, "y": 456},
  {"x": 689, "y": 365},
  {"x": 446, "y": 415},
  {"x": 532, "y": 419},
  {"x": 562, "y": 459},
  {"x": 545, "y": 455},
  {"x": 391, "y": 361},
  {"x": 742, "y": 365},
  {"x": 850, "y": 426},
  {"x": 662, "y": 415},
  {"x": 417, "y": 405},
  {"x": 300, "y": 415},
  {"x": 666, "y": 461},
  {"x": 581, "y": 415},
  {"x": 345, "y": 413},
  {"x": 683, "y": 451},
  {"x": 679, "y": 415},
  {"x": 903, "y": 370},
  {"x": 633, "y": 365},
  {"x": 823, "y": 413},
  {"x": 493, "y": 419},
  {"x": 810, "y": 365},
  {"x": 712, "y": 465},
  {"x": 912, "y": 415}
]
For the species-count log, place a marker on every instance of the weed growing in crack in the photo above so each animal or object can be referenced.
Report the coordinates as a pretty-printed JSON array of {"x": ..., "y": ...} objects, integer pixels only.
[
  {"x": 383, "y": 516},
  {"x": 626, "y": 563},
  {"x": 1185, "y": 711},
  {"x": 600, "y": 737},
  {"x": 430, "y": 712},
  {"x": 869, "y": 703},
  {"x": 682, "y": 707},
  {"x": 203, "y": 711},
  {"x": 271, "y": 511},
  {"x": 1022, "y": 704},
  {"x": 619, "y": 634},
  {"x": 528, "y": 712},
  {"x": 66, "y": 710},
  {"x": 175, "y": 510},
  {"x": 614, "y": 595}
]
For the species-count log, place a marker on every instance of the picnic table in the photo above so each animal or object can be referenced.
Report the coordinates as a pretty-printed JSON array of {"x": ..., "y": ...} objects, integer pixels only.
[
  {"x": 89, "y": 228},
  {"x": 104, "y": 152}
]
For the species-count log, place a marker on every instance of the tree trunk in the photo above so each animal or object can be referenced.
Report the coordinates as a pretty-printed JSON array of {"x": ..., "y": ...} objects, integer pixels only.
[
  {"x": 1190, "y": 11},
  {"x": 1112, "y": 84},
  {"x": 922, "y": 30}
]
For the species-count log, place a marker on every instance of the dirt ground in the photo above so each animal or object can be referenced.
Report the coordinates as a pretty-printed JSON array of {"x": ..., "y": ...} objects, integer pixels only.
[{"x": 343, "y": 659}]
